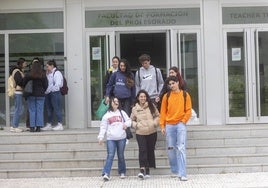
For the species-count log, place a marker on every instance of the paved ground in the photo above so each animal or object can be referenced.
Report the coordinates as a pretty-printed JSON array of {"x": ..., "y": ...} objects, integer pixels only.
[{"x": 242, "y": 180}]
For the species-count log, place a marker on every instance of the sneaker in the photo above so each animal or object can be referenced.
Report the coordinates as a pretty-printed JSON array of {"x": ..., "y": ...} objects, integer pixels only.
[
  {"x": 122, "y": 176},
  {"x": 12, "y": 129},
  {"x": 127, "y": 141},
  {"x": 15, "y": 130},
  {"x": 147, "y": 176},
  {"x": 141, "y": 175},
  {"x": 173, "y": 175},
  {"x": 48, "y": 127},
  {"x": 183, "y": 178},
  {"x": 59, "y": 127},
  {"x": 106, "y": 177}
]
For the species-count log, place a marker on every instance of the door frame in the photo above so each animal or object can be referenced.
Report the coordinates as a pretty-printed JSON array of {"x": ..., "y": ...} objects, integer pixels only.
[
  {"x": 110, "y": 36},
  {"x": 251, "y": 58}
]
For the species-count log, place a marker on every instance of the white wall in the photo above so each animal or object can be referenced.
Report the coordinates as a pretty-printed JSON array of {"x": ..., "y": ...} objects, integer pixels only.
[
  {"x": 213, "y": 63},
  {"x": 76, "y": 65}
]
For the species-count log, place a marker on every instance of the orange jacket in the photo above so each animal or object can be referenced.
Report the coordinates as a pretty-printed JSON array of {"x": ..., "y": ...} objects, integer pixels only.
[{"x": 172, "y": 112}]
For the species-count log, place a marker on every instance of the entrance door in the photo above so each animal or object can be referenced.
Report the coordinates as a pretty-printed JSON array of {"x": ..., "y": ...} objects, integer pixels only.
[
  {"x": 246, "y": 75},
  {"x": 100, "y": 49},
  {"x": 132, "y": 45}
]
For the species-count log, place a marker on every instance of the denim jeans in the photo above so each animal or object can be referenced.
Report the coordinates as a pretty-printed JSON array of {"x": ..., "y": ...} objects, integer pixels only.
[
  {"x": 53, "y": 104},
  {"x": 112, "y": 146},
  {"x": 176, "y": 145},
  {"x": 36, "y": 110},
  {"x": 18, "y": 109}
]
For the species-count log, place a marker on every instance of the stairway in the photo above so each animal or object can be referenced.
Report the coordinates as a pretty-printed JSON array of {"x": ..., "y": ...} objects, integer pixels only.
[{"x": 69, "y": 153}]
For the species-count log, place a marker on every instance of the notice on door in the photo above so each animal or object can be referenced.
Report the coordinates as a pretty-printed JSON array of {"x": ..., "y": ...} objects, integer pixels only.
[
  {"x": 236, "y": 54},
  {"x": 96, "y": 53}
]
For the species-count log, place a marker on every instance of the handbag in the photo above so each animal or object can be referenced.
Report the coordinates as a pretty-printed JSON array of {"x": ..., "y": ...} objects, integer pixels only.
[
  {"x": 28, "y": 89},
  {"x": 128, "y": 130},
  {"x": 102, "y": 109}
]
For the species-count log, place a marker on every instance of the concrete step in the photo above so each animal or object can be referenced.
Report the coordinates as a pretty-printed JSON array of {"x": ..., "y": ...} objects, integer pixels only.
[{"x": 131, "y": 171}]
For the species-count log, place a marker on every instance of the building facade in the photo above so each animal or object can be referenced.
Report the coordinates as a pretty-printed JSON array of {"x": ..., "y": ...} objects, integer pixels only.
[{"x": 220, "y": 46}]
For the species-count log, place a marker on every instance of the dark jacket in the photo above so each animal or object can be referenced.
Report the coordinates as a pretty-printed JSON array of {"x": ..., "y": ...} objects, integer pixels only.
[
  {"x": 39, "y": 85},
  {"x": 117, "y": 85}
]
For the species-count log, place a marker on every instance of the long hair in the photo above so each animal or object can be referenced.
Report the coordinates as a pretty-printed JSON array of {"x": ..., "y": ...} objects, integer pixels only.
[
  {"x": 36, "y": 70},
  {"x": 110, "y": 104},
  {"x": 180, "y": 79},
  {"x": 150, "y": 103},
  {"x": 128, "y": 72}
]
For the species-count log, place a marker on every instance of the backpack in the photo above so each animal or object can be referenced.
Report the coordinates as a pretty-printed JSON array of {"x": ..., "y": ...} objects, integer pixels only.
[
  {"x": 11, "y": 84},
  {"x": 64, "y": 89}
]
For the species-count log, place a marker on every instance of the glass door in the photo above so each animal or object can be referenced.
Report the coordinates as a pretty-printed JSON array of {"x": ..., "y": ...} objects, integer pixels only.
[
  {"x": 99, "y": 52},
  {"x": 247, "y": 76},
  {"x": 188, "y": 58},
  {"x": 2, "y": 82}
]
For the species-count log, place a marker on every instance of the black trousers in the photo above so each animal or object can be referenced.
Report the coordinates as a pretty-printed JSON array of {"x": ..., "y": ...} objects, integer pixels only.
[{"x": 146, "y": 145}]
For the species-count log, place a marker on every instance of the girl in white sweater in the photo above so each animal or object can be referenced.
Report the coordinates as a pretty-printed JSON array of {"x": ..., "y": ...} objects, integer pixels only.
[{"x": 114, "y": 124}]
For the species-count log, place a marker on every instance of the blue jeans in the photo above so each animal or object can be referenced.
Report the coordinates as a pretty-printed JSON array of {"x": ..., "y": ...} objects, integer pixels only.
[
  {"x": 18, "y": 109},
  {"x": 53, "y": 104},
  {"x": 36, "y": 110},
  {"x": 113, "y": 145},
  {"x": 176, "y": 145}
]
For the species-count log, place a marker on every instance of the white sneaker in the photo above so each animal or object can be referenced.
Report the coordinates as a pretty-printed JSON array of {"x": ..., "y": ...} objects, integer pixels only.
[
  {"x": 106, "y": 177},
  {"x": 59, "y": 127},
  {"x": 147, "y": 176},
  {"x": 183, "y": 178},
  {"x": 122, "y": 176},
  {"x": 48, "y": 127},
  {"x": 15, "y": 130},
  {"x": 141, "y": 175},
  {"x": 173, "y": 175}
]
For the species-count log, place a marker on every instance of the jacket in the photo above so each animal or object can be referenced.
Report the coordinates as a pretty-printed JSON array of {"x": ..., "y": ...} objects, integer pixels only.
[
  {"x": 143, "y": 121},
  {"x": 117, "y": 84},
  {"x": 39, "y": 85}
]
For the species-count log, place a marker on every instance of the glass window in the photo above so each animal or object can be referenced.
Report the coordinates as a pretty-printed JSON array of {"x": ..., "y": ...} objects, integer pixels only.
[
  {"x": 97, "y": 70},
  {"x": 32, "y": 20},
  {"x": 236, "y": 75},
  {"x": 263, "y": 72},
  {"x": 45, "y": 46},
  {"x": 2, "y": 82},
  {"x": 189, "y": 66}
]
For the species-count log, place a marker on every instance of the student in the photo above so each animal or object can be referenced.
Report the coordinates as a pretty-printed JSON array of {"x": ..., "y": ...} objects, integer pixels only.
[
  {"x": 18, "y": 77},
  {"x": 145, "y": 120},
  {"x": 173, "y": 71},
  {"x": 122, "y": 86},
  {"x": 110, "y": 71},
  {"x": 149, "y": 78},
  {"x": 113, "y": 124},
  {"x": 53, "y": 96},
  {"x": 173, "y": 117},
  {"x": 36, "y": 99}
]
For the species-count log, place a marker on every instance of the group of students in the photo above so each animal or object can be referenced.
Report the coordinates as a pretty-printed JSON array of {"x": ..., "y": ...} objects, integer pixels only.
[
  {"x": 46, "y": 86},
  {"x": 135, "y": 102}
]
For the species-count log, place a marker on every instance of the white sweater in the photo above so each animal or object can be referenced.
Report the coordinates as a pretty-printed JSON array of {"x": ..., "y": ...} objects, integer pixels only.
[{"x": 112, "y": 124}]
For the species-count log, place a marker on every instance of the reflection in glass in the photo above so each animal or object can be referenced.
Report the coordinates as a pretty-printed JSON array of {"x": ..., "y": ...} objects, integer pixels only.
[
  {"x": 263, "y": 72},
  {"x": 45, "y": 46},
  {"x": 31, "y": 20},
  {"x": 98, "y": 58},
  {"x": 236, "y": 74},
  {"x": 2, "y": 82},
  {"x": 189, "y": 66}
]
